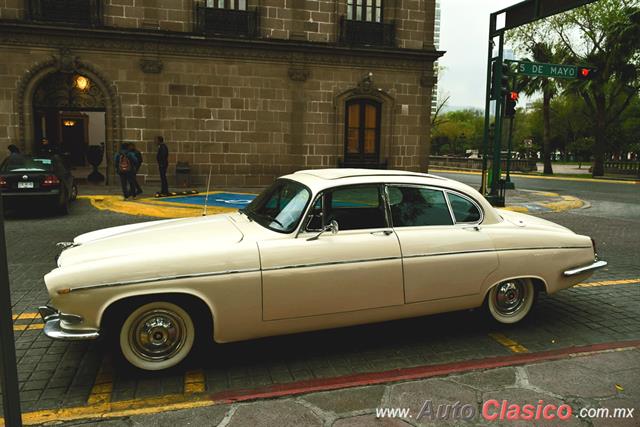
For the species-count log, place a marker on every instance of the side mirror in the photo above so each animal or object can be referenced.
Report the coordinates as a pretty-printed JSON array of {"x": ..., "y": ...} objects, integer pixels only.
[{"x": 332, "y": 227}]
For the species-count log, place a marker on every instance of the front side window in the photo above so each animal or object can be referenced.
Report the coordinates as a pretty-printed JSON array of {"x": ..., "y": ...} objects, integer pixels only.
[
  {"x": 364, "y": 10},
  {"x": 416, "y": 206},
  {"x": 228, "y": 4},
  {"x": 280, "y": 206},
  {"x": 356, "y": 207},
  {"x": 463, "y": 209}
]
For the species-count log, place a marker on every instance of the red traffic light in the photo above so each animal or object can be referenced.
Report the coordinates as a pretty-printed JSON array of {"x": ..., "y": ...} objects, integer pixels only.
[
  {"x": 513, "y": 95},
  {"x": 584, "y": 72}
]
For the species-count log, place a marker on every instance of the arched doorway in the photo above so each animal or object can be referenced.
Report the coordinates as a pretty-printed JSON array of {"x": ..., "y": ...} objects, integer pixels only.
[{"x": 69, "y": 110}]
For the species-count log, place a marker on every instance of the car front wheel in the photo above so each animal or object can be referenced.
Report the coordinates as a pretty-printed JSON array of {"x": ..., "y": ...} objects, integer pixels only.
[
  {"x": 157, "y": 336},
  {"x": 510, "y": 301}
]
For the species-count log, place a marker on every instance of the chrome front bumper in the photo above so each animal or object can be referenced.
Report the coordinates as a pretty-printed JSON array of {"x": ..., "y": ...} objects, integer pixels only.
[
  {"x": 53, "y": 328},
  {"x": 586, "y": 268}
]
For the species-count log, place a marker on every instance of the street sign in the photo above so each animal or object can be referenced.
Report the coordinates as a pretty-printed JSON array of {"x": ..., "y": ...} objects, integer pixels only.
[
  {"x": 545, "y": 70},
  {"x": 531, "y": 10}
]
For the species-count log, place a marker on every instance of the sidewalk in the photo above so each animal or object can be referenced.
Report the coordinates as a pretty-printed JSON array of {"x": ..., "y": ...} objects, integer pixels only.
[
  {"x": 590, "y": 384},
  {"x": 110, "y": 198}
]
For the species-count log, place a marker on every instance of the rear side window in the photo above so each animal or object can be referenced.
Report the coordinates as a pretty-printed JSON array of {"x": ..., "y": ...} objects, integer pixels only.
[
  {"x": 415, "y": 206},
  {"x": 463, "y": 209}
]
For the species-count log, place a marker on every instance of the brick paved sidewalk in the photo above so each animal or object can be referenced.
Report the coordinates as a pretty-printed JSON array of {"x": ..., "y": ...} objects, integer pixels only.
[{"x": 605, "y": 380}]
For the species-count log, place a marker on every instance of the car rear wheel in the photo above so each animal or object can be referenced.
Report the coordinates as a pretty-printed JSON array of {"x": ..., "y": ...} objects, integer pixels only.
[
  {"x": 510, "y": 301},
  {"x": 157, "y": 335}
]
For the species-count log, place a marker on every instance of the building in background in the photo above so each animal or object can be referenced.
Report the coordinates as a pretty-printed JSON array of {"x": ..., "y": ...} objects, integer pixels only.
[
  {"x": 436, "y": 43},
  {"x": 249, "y": 88}
]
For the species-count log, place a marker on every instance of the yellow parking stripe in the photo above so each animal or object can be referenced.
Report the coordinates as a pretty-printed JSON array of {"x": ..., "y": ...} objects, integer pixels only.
[
  {"x": 103, "y": 384},
  {"x": 194, "y": 381},
  {"x": 26, "y": 315},
  {"x": 508, "y": 343},
  {"x": 608, "y": 283},
  {"x": 31, "y": 327}
]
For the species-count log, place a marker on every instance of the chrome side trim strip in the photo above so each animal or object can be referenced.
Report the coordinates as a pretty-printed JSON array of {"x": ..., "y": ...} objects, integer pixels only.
[
  {"x": 165, "y": 278},
  {"x": 323, "y": 264},
  {"x": 490, "y": 250},
  {"x": 593, "y": 266}
]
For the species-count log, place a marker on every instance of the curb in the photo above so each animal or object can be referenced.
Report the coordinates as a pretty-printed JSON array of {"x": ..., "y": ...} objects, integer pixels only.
[{"x": 557, "y": 178}]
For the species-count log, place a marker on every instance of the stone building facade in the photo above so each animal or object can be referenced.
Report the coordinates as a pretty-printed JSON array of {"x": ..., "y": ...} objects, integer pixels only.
[{"x": 246, "y": 89}]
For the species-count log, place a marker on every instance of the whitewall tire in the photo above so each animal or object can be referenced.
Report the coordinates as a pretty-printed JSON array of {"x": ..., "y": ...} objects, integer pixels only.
[
  {"x": 157, "y": 336},
  {"x": 510, "y": 301}
]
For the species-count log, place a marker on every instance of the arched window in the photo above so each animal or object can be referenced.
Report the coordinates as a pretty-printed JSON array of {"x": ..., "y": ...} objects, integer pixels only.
[
  {"x": 364, "y": 10},
  {"x": 362, "y": 132}
]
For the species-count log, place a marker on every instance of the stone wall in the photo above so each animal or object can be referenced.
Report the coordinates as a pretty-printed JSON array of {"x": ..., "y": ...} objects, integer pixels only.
[{"x": 248, "y": 120}]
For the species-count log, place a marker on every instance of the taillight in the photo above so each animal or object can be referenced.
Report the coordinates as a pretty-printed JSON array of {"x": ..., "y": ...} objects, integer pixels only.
[
  {"x": 50, "y": 181},
  {"x": 3, "y": 182}
]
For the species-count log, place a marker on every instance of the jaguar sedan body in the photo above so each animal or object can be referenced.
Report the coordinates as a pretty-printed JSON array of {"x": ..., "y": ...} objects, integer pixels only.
[{"x": 318, "y": 249}]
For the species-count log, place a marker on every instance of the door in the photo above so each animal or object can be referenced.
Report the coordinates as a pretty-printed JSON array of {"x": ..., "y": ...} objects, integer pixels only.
[
  {"x": 73, "y": 138},
  {"x": 362, "y": 126},
  {"x": 357, "y": 268},
  {"x": 445, "y": 254}
]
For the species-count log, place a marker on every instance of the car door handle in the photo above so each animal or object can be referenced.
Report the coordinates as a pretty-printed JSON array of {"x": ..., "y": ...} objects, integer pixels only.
[{"x": 382, "y": 233}]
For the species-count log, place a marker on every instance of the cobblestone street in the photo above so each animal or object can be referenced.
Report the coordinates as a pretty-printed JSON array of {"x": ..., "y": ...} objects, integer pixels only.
[{"x": 59, "y": 375}]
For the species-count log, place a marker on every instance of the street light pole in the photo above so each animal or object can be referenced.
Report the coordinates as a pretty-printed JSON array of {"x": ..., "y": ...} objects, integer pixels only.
[{"x": 8, "y": 366}]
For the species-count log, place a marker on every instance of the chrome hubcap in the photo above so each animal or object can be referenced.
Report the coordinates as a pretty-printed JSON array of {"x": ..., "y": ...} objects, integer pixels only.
[
  {"x": 510, "y": 297},
  {"x": 157, "y": 335}
]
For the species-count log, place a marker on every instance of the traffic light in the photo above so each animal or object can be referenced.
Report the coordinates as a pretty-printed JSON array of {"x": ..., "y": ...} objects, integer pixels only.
[
  {"x": 586, "y": 73},
  {"x": 500, "y": 80},
  {"x": 510, "y": 104}
]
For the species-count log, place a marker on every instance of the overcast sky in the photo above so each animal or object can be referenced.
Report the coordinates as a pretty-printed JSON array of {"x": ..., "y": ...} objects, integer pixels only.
[{"x": 464, "y": 29}]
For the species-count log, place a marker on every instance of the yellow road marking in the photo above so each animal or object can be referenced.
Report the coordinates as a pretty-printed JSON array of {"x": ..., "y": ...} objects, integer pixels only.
[
  {"x": 31, "y": 327},
  {"x": 509, "y": 343},
  {"x": 194, "y": 381},
  {"x": 125, "y": 408},
  {"x": 148, "y": 207},
  {"x": 26, "y": 315},
  {"x": 556, "y": 178},
  {"x": 103, "y": 384},
  {"x": 608, "y": 283}
]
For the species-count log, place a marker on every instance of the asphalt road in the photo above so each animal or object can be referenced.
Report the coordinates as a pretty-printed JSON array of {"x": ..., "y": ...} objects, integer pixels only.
[
  {"x": 607, "y": 199},
  {"x": 56, "y": 374}
]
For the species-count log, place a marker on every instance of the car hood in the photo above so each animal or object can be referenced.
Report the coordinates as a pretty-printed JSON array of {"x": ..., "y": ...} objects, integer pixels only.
[
  {"x": 531, "y": 222},
  {"x": 174, "y": 236}
]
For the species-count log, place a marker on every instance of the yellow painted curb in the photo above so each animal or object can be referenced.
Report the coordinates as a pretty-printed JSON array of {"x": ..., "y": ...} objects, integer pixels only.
[
  {"x": 150, "y": 207},
  {"x": 557, "y": 178}
]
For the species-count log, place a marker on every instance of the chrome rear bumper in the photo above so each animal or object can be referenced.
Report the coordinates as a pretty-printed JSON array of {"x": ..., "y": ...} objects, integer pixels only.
[
  {"x": 586, "y": 268},
  {"x": 52, "y": 319}
]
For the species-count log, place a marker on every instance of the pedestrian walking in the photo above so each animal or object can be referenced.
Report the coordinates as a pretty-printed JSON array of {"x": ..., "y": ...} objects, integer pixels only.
[
  {"x": 126, "y": 166},
  {"x": 46, "y": 149},
  {"x": 138, "y": 155},
  {"x": 163, "y": 164}
]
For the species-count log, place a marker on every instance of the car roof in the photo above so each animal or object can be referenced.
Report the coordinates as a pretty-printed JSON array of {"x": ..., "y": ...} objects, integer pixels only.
[{"x": 352, "y": 173}]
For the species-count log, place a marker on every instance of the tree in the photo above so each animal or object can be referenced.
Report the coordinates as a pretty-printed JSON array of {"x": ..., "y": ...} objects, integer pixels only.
[{"x": 610, "y": 41}]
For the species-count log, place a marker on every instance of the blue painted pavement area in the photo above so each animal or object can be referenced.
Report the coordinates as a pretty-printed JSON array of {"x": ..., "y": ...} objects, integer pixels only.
[{"x": 223, "y": 200}]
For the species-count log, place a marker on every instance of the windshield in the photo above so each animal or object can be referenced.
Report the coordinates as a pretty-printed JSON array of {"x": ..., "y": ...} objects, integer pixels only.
[
  {"x": 280, "y": 206},
  {"x": 19, "y": 163}
]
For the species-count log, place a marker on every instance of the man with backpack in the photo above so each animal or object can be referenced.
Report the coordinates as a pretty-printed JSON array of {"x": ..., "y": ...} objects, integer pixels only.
[
  {"x": 126, "y": 164},
  {"x": 138, "y": 156}
]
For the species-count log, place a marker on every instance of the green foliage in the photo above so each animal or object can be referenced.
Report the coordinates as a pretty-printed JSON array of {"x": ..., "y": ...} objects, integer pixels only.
[{"x": 458, "y": 131}]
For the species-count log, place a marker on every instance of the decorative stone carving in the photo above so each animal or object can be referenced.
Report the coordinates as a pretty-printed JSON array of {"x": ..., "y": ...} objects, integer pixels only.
[
  {"x": 66, "y": 62},
  {"x": 366, "y": 86},
  {"x": 151, "y": 66},
  {"x": 298, "y": 74}
]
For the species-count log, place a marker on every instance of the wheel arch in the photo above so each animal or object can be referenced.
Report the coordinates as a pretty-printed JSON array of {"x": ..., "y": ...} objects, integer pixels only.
[
  {"x": 539, "y": 284},
  {"x": 204, "y": 311}
]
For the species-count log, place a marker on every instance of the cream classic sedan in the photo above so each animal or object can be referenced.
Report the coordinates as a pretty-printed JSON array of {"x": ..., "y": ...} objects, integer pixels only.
[{"x": 318, "y": 249}]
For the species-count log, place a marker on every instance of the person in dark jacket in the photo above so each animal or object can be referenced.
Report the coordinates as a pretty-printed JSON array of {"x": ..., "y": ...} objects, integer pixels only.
[
  {"x": 13, "y": 149},
  {"x": 163, "y": 164},
  {"x": 126, "y": 166},
  {"x": 138, "y": 156},
  {"x": 46, "y": 149}
]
